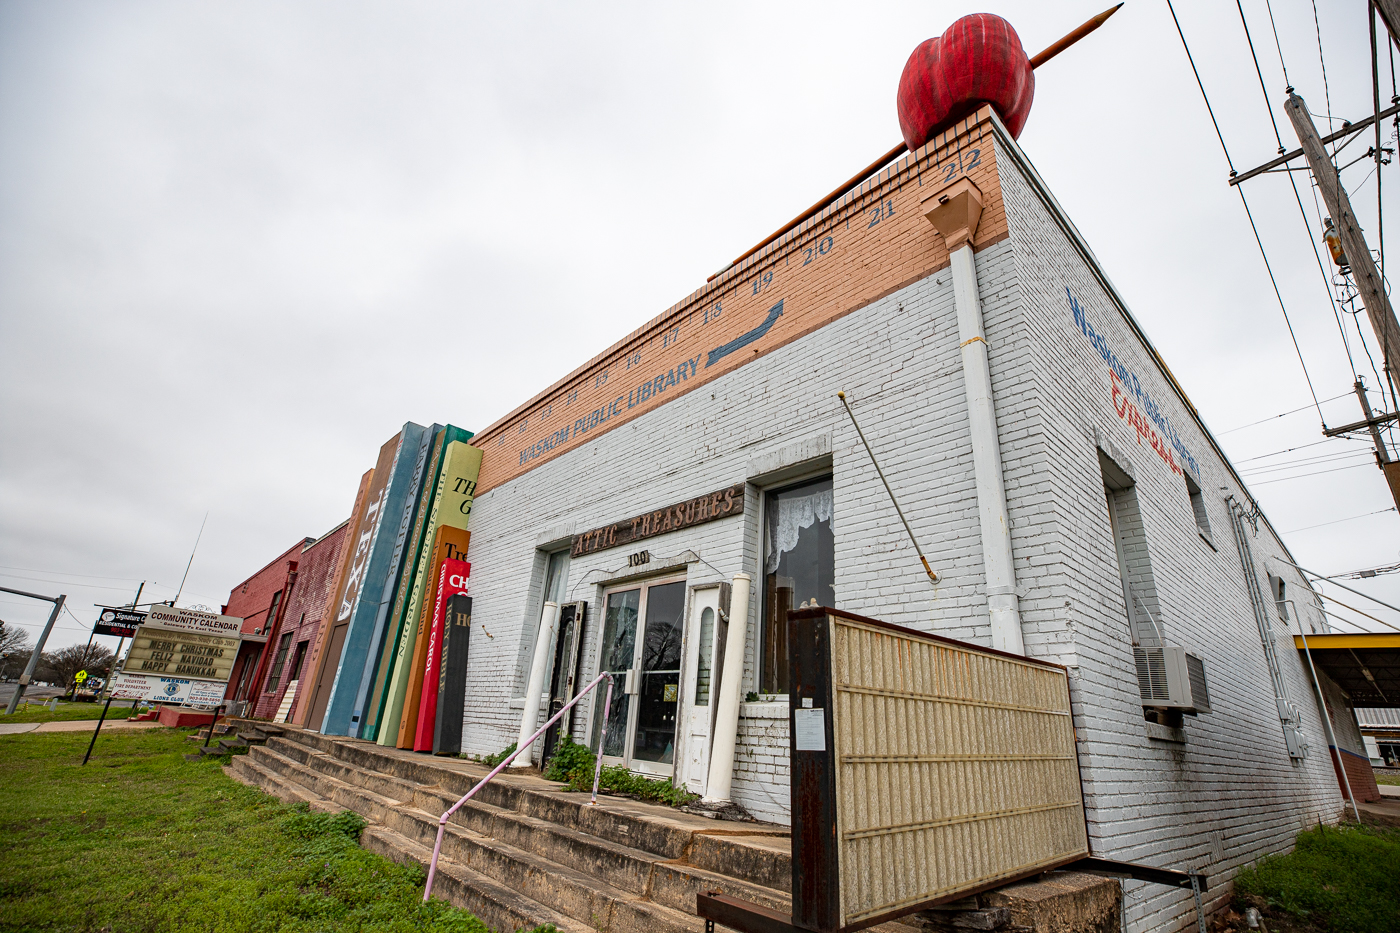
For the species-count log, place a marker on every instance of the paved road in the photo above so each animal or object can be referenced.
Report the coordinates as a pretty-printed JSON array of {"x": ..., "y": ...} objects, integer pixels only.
[
  {"x": 72, "y": 725},
  {"x": 32, "y": 692}
]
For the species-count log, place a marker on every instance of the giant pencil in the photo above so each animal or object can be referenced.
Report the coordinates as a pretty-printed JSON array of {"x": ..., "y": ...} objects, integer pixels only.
[{"x": 451, "y": 506}]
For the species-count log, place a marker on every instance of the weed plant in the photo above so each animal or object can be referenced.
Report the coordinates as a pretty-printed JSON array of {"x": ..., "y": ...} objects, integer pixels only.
[
  {"x": 574, "y": 764},
  {"x": 1343, "y": 879}
]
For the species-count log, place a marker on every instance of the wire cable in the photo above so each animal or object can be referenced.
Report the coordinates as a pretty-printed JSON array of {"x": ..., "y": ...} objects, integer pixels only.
[
  {"x": 1283, "y": 415},
  {"x": 1277, "y": 44},
  {"x": 1326, "y": 90},
  {"x": 1282, "y": 479},
  {"x": 1290, "y": 450},
  {"x": 1258, "y": 71},
  {"x": 1248, "y": 213},
  {"x": 1339, "y": 521}
]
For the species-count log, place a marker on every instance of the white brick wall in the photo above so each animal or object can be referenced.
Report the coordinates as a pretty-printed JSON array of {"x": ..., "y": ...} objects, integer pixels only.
[{"x": 1225, "y": 797}]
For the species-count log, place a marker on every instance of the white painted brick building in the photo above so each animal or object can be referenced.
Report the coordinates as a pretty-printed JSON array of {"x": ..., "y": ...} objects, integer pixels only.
[{"x": 875, "y": 314}]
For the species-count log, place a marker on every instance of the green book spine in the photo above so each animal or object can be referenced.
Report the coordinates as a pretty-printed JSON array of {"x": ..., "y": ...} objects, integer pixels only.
[{"x": 456, "y": 489}]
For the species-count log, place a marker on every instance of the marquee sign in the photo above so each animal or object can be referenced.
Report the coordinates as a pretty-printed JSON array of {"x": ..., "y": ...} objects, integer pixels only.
[
  {"x": 720, "y": 504},
  {"x": 182, "y": 654},
  {"x": 192, "y": 620}
]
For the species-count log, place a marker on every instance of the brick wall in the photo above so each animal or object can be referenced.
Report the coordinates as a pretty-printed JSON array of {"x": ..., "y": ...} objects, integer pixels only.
[
  {"x": 302, "y": 619},
  {"x": 1215, "y": 794}
]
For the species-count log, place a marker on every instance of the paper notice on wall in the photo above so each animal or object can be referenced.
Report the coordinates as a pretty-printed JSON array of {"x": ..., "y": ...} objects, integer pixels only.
[{"x": 809, "y": 730}]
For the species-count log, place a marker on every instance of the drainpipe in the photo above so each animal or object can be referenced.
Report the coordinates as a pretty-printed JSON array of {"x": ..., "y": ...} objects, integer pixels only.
[
  {"x": 954, "y": 211},
  {"x": 274, "y": 628},
  {"x": 549, "y": 621},
  {"x": 731, "y": 685}
]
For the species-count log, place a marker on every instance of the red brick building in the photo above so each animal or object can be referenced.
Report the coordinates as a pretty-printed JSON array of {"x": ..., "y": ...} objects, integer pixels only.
[
  {"x": 258, "y": 601},
  {"x": 290, "y": 639}
]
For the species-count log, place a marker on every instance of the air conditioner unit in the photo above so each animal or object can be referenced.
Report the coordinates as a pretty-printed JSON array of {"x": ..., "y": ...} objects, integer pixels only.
[{"x": 1171, "y": 677}]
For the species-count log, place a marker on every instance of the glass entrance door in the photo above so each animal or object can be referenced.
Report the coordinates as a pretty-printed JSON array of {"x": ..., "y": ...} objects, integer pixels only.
[
  {"x": 659, "y": 684},
  {"x": 641, "y": 643}
]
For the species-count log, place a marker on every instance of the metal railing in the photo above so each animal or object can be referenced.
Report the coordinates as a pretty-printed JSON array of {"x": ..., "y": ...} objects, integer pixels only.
[{"x": 597, "y": 768}]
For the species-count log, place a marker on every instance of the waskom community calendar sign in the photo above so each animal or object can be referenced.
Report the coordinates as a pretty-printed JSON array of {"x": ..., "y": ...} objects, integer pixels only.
[{"x": 180, "y": 656}]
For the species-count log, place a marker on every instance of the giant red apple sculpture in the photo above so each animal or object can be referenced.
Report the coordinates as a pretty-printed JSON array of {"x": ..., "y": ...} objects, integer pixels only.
[{"x": 978, "y": 60}]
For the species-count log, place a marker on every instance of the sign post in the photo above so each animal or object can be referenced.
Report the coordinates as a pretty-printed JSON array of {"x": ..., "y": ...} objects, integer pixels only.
[{"x": 177, "y": 655}]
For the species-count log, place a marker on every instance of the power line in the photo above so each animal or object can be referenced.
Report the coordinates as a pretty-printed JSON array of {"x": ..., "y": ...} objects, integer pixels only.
[
  {"x": 1282, "y": 415},
  {"x": 1318, "y": 473},
  {"x": 63, "y": 573},
  {"x": 1306, "y": 462},
  {"x": 1338, "y": 521},
  {"x": 1289, "y": 450},
  {"x": 1277, "y": 44},
  {"x": 1248, "y": 213}
]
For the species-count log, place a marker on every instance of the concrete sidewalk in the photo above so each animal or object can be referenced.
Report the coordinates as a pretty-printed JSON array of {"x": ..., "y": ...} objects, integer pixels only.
[{"x": 72, "y": 725}]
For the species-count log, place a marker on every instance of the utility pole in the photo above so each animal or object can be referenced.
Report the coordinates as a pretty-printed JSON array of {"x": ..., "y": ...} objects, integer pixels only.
[
  {"x": 1390, "y": 15},
  {"x": 28, "y": 674},
  {"x": 1363, "y": 269}
]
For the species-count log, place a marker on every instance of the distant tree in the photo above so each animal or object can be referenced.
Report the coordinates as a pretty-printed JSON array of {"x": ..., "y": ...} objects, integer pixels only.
[
  {"x": 14, "y": 650},
  {"x": 59, "y": 667}
]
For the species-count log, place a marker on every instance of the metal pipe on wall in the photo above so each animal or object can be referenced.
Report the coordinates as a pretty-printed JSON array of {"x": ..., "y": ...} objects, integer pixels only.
[
  {"x": 731, "y": 685},
  {"x": 549, "y": 621},
  {"x": 954, "y": 212}
]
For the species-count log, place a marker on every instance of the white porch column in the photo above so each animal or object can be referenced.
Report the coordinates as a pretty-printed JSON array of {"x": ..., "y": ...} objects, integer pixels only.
[
  {"x": 730, "y": 692},
  {"x": 954, "y": 211},
  {"x": 529, "y": 720}
]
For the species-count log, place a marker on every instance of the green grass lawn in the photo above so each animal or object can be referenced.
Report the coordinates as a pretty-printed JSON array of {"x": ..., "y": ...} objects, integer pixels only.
[
  {"x": 1391, "y": 779},
  {"x": 66, "y": 711},
  {"x": 1339, "y": 879},
  {"x": 141, "y": 840}
]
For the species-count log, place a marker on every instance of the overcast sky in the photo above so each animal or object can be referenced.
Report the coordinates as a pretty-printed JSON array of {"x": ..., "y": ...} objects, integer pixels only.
[{"x": 241, "y": 244}]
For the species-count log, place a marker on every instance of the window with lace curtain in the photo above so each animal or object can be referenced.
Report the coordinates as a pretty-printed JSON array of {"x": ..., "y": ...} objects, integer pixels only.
[{"x": 799, "y": 558}]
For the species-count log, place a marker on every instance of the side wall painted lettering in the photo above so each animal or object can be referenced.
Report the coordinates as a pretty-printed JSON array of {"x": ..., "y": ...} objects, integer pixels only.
[{"x": 1126, "y": 389}]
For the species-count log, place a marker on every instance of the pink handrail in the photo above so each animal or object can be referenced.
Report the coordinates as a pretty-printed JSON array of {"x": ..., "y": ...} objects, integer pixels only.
[{"x": 597, "y": 770}]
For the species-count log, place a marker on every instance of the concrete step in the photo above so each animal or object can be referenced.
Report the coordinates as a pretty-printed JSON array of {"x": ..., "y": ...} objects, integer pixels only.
[
  {"x": 234, "y": 744},
  {"x": 498, "y": 906},
  {"x": 248, "y": 771},
  {"x": 585, "y": 897},
  {"x": 755, "y": 855},
  {"x": 253, "y": 737}
]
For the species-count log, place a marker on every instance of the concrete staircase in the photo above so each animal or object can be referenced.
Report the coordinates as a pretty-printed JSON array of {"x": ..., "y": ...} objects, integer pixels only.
[
  {"x": 244, "y": 736},
  {"x": 524, "y": 853}
]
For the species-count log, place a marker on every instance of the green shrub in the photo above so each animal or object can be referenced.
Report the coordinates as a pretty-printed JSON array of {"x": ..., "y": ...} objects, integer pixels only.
[
  {"x": 1342, "y": 878},
  {"x": 570, "y": 758},
  {"x": 574, "y": 764},
  {"x": 493, "y": 760}
]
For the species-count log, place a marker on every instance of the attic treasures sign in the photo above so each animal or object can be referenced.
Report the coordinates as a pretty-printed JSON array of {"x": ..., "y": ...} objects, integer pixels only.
[{"x": 720, "y": 504}]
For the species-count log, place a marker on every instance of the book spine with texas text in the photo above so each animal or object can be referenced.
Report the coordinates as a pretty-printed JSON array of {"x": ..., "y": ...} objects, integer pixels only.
[
  {"x": 461, "y": 465},
  {"x": 340, "y": 709},
  {"x": 320, "y": 658},
  {"x": 342, "y": 610},
  {"x": 451, "y": 544},
  {"x": 408, "y": 579},
  {"x": 391, "y": 577},
  {"x": 453, "y": 579}
]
